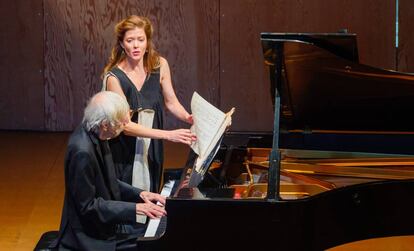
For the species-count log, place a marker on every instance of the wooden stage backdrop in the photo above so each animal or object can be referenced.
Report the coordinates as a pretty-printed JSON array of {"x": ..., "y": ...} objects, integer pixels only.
[{"x": 53, "y": 52}]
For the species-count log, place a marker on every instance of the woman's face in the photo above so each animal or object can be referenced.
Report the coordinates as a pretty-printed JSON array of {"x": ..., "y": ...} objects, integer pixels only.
[{"x": 135, "y": 43}]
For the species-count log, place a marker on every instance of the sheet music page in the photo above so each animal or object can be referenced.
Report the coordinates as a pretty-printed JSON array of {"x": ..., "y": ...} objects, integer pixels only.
[
  {"x": 207, "y": 121},
  {"x": 209, "y": 125}
]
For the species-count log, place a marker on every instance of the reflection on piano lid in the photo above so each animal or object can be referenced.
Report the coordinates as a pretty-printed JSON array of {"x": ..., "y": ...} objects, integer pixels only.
[
  {"x": 338, "y": 168},
  {"x": 197, "y": 176},
  {"x": 324, "y": 90}
]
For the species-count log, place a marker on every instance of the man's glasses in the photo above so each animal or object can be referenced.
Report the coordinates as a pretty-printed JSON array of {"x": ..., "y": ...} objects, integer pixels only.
[{"x": 133, "y": 112}]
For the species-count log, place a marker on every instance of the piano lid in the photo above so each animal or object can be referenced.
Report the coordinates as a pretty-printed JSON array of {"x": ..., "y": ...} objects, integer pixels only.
[{"x": 323, "y": 86}]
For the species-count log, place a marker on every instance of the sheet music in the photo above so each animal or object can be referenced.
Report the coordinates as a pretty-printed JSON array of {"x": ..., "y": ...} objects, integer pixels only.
[
  {"x": 209, "y": 125},
  {"x": 207, "y": 121}
]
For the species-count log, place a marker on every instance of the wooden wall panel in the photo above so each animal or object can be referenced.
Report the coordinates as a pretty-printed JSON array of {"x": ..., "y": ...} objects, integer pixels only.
[
  {"x": 79, "y": 36},
  {"x": 243, "y": 80},
  {"x": 75, "y": 54},
  {"x": 406, "y": 36},
  {"x": 21, "y": 65},
  {"x": 186, "y": 33},
  {"x": 213, "y": 47}
]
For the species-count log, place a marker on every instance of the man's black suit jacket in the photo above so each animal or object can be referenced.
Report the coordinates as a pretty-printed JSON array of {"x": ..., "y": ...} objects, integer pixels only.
[{"x": 96, "y": 203}]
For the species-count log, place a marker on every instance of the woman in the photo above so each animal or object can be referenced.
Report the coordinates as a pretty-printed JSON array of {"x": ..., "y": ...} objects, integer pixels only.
[{"x": 135, "y": 70}]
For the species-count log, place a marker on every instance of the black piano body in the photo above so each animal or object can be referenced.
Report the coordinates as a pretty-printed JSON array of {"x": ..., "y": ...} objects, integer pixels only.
[{"x": 337, "y": 168}]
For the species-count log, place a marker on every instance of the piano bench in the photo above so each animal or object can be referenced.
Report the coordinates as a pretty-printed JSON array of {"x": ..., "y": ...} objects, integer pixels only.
[
  {"x": 48, "y": 237},
  {"x": 45, "y": 240}
]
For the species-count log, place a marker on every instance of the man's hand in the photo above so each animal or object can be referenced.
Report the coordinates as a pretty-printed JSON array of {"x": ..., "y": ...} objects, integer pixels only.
[
  {"x": 150, "y": 209},
  {"x": 149, "y": 197}
]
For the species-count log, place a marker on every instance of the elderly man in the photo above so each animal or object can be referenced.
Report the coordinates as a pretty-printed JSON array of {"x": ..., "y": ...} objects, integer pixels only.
[{"x": 99, "y": 210}]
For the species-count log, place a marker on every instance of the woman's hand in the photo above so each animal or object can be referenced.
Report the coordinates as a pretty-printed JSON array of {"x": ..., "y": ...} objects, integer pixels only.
[
  {"x": 189, "y": 119},
  {"x": 184, "y": 136}
]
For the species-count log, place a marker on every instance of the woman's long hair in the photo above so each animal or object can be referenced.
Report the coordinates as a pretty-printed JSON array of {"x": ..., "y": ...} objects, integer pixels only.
[{"x": 151, "y": 56}]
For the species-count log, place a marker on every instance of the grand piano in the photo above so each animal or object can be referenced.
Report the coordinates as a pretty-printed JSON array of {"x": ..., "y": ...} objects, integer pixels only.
[{"x": 337, "y": 168}]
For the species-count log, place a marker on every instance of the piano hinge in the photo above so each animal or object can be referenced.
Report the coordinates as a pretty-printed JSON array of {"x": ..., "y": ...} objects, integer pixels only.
[
  {"x": 307, "y": 130},
  {"x": 272, "y": 200}
]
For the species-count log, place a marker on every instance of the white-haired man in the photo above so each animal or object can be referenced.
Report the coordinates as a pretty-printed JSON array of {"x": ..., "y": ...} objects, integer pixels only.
[{"x": 98, "y": 208}]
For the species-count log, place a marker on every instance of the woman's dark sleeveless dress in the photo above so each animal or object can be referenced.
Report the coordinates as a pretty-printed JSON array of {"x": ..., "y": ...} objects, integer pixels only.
[{"x": 123, "y": 147}]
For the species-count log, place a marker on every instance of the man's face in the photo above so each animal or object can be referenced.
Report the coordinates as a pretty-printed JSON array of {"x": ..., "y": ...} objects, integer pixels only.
[{"x": 108, "y": 131}]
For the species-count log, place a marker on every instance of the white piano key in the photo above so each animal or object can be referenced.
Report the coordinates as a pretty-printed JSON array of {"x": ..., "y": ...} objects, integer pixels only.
[{"x": 154, "y": 223}]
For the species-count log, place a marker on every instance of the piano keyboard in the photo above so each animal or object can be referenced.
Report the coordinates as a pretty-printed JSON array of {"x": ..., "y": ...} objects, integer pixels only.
[{"x": 156, "y": 225}]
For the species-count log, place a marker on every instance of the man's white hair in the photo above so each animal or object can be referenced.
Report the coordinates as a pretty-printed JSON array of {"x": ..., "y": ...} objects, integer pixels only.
[{"x": 105, "y": 107}]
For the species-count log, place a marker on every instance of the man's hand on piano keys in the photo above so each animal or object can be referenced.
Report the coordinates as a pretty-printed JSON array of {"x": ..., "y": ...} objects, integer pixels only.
[
  {"x": 149, "y": 197},
  {"x": 150, "y": 209}
]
